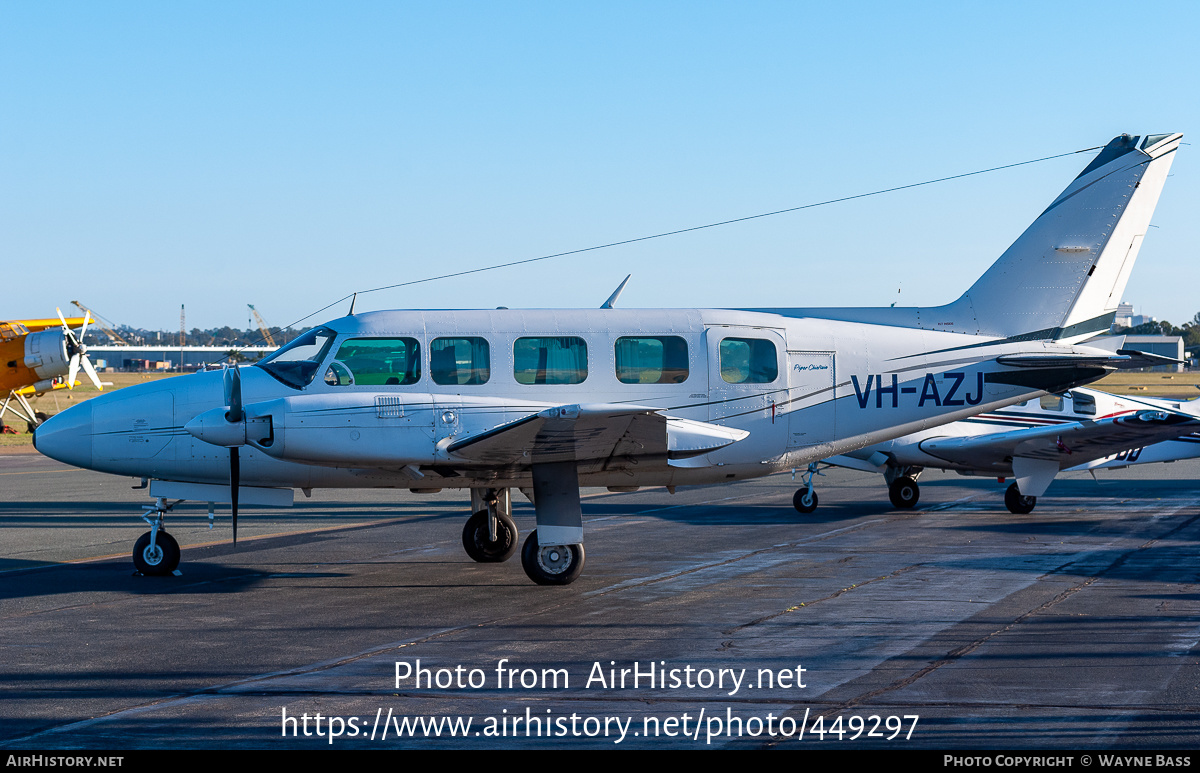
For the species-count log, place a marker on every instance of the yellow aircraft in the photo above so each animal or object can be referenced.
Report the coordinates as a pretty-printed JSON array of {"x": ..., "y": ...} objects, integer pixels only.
[{"x": 38, "y": 355}]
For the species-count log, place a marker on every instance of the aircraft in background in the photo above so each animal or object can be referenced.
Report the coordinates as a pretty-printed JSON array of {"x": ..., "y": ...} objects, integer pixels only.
[
  {"x": 37, "y": 356},
  {"x": 546, "y": 401},
  {"x": 1032, "y": 441}
]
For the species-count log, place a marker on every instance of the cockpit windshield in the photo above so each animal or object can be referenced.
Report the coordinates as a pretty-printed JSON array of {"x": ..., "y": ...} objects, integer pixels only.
[{"x": 296, "y": 364}]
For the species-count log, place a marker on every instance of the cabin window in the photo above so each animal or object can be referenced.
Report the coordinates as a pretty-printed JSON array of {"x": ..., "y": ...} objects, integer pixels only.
[
  {"x": 550, "y": 360},
  {"x": 748, "y": 361},
  {"x": 1083, "y": 404},
  {"x": 1051, "y": 402},
  {"x": 376, "y": 362},
  {"x": 654, "y": 360},
  {"x": 296, "y": 364},
  {"x": 459, "y": 361}
]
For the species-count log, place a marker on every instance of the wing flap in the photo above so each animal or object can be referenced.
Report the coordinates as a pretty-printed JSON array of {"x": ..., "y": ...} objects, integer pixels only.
[{"x": 591, "y": 432}]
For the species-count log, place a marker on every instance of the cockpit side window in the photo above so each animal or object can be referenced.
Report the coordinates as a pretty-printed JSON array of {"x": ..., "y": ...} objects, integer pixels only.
[
  {"x": 375, "y": 362},
  {"x": 296, "y": 364}
]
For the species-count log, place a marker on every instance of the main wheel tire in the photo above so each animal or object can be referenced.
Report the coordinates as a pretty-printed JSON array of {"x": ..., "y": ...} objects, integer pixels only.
[
  {"x": 904, "y": 493},
  {"x": 162, "y": 560},
  {"x": 803, "y": 501},
  {"x": 551, "y": 564},
  {"x": 1017, "y": 503},
  {"x": 480, "y": 548}
]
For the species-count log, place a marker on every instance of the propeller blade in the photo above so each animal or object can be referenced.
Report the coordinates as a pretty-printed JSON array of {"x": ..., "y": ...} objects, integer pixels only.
[
  {"x": 90, "y": 370},
  {"x": 73, "y": 370},
  {"x": 87, "y": 317},
  {"x": 233, "y": 394},
  {"x": 235, "y": 475},
  {"x": 66, "y": 330}
]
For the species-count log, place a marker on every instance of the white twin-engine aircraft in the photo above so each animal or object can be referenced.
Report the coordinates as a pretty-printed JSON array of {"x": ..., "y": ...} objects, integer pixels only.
[
  {"x": 546, "y": 401},
  {"x": 1031, "y": 441}
]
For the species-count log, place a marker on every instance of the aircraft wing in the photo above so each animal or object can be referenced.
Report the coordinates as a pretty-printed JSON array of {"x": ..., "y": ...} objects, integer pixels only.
[
  {"x": 592, "y": 432},
  {"x": 34, "y": 325},
  {"x": 1037, "y": 454}
]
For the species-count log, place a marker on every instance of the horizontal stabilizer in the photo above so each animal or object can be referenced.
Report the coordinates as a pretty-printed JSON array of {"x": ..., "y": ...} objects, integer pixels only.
[
  {"x": 1147, "y": 359},
  {"x": 1068, "y": 445},
  {"x": 1123, "y": 359}
]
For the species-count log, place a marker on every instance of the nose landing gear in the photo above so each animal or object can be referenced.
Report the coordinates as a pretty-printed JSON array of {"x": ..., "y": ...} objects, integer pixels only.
[{"x": 156, "y": 552}]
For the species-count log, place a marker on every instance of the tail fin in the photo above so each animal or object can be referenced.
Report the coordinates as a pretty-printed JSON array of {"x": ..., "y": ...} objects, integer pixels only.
[{"x": 1064, "y": 277}]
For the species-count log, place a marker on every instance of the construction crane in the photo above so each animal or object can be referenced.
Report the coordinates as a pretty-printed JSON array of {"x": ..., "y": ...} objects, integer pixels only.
[
  {"x": 182, "y": 332},
  {"x": 262, "y": 326},
  {"x": 98, "y": 320}
]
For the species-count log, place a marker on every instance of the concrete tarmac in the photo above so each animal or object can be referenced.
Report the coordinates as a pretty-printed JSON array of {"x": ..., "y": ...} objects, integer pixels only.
[{"x": 715, "y": 617}]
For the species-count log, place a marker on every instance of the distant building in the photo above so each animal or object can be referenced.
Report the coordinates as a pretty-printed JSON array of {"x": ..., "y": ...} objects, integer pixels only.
[
  {"x": 1126, "y": 318},
  {"x": 141, "y": 358}
]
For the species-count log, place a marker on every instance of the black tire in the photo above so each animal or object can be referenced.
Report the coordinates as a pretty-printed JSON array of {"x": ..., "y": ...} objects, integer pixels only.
[
  {"x": 162, "y": 561},
  {"x": 1016, "y": 503},
  {"x": 551, "y": 564},
  {"x": 480, "y": 548},
  {"x": 904, "y": 493},
  {"x": 798, "y": 500}
]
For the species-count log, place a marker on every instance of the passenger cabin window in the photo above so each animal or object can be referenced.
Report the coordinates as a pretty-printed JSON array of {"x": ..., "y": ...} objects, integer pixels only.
[
  {"x": 1084, "y": 405},
  {"x": 459, "y": 361},
  {"x": 1051, "y": 402},
  {"x": 748, "y": 361},
  {"x": 376, "y": 362},
  {"x": 653, "y": 360},
  {"x": 551, "y": 360}
]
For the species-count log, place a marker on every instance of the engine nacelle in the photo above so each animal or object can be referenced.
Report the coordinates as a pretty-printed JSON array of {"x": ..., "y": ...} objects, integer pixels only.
[{"x": 46, "y": 353}]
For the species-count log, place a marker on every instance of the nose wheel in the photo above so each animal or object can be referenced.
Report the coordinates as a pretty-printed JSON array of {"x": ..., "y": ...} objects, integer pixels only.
[
  {"x": 551, "y": 564},
  {"x": 156, "y": 555}
]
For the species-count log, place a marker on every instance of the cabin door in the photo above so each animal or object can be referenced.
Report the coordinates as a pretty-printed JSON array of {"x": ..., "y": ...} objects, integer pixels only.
[{"x": 747, "y": 381}]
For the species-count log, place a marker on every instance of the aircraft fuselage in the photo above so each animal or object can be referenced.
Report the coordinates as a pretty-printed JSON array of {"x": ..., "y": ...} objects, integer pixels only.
[{"x": 385, "y": 395}]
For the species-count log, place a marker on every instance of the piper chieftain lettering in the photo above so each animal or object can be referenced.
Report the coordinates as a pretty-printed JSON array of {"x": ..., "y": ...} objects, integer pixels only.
[
  {"x": 546, "y": 401},
  {"x": 1035, "y": 440}
]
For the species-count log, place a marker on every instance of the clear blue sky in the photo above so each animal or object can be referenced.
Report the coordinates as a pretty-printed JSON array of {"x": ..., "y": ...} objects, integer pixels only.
[{"x": 287, "y": 153}]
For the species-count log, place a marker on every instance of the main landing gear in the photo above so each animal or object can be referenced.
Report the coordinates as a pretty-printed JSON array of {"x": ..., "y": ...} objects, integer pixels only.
[
  {"x": 904, "y": 493},
  {"x": 156, "y": 553},
  {"x": 902, "y": 485},
  {"x": 551, "y": 564},
  {"x": 553, "y": 552},
  {"x": 1018, "y": 503}
]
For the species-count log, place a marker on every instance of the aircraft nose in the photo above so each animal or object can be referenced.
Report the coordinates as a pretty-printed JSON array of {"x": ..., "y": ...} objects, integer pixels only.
[{"x": 67, "y": 436}]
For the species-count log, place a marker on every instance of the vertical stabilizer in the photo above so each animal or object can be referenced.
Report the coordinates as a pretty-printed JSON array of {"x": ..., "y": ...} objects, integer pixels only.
[{"x": 1063, "y": 278}]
